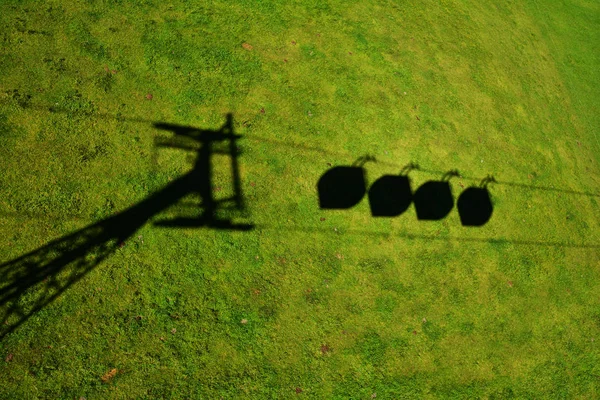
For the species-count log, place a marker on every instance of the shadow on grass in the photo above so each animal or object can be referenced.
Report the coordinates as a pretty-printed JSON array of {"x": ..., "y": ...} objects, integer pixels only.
[
  {"x": 32, "y": 281},
  {"x": 25, "y": 103},
  {"x": 343, "y": 187},
  {"x": 414, "y": 236}
]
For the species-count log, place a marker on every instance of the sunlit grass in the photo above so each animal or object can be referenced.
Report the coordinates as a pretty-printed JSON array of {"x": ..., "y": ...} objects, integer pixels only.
[{"x": 336, "y": 304}]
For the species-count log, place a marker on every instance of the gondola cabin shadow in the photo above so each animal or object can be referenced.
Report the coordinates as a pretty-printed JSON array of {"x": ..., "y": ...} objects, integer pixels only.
[
  {"x": 391, "y": 195},
  {"x": 343, "y": 187},
  {"x": 433, "y": 199},
  {"x": 474, "y": 204}
]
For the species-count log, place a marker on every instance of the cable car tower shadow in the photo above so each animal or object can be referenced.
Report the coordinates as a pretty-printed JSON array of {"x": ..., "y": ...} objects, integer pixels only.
[{"x": 45, "y": 273}]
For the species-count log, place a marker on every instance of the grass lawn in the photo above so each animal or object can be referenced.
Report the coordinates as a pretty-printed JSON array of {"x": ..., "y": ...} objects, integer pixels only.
[{"x": 99, "y": 300}]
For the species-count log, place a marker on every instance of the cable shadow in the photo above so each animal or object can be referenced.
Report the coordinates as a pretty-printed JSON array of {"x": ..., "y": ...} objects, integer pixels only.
[
  {"x": 412, "y": 236},
  {"x": 32, "y": 281},
  {"x": 53, "y": 109}
]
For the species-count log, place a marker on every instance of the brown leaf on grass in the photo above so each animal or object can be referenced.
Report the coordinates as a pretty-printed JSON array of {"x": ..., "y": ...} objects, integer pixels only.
[
  {"x": 149, "y": 96},
  {"x": 298, "y": 390},
  {"x": 107, "y": 377},
  {"x": 418, "y": 119},
  {"x": 173, "y": 331},
  {"x": 322, "y": 218},
  {"x": 262, "y": 110},
  {"x": 325, "y": 349},
  {"x": 247, "y": 46},
  {"x": 293, "y": 42},
  {"x": 9, "y": 357}
]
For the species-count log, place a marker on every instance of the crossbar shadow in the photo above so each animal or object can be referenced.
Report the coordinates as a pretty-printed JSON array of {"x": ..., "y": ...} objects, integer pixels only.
[{"x": 45, "y": 273}]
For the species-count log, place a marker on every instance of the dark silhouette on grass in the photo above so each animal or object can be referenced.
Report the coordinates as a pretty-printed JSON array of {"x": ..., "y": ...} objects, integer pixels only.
[
  {"x": 391, "y": 195},
  {"x": 475, "y": 205},
  {"x": 202, "y": 173},
  {"x": 45, "y": 273},
  {"x": 343, "y": 187},
  {"x": 53, "y": 109},
  {"x": 417, "y": 236},
  {"x": 433, "y": 199}
]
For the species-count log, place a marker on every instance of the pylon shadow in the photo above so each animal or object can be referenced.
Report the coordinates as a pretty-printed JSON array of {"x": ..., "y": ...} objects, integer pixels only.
[{"x": 45, "y": 273}]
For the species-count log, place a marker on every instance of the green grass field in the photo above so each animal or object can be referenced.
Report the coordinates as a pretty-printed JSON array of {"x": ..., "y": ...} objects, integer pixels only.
[{"x": 311, "y": 303}]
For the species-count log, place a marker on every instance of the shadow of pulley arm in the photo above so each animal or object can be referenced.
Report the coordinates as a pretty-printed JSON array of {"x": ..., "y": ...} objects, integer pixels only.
[
  {"x": 181, "y": 146},
  {"x": 181, "y": 130}
]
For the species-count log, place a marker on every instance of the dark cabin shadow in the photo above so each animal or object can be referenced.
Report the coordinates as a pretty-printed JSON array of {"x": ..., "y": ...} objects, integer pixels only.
[
  {"x": 475, "y": 204},
  {"x": 47, "y": 272},
  {"x": 343, "y": 187},
  {"x": 391, "y": 195},
  {"x": 433, "y": 199}
]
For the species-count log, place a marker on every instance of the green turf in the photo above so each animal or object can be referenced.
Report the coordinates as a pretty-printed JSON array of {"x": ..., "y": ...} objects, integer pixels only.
[{"x": 336, "y": 304}]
